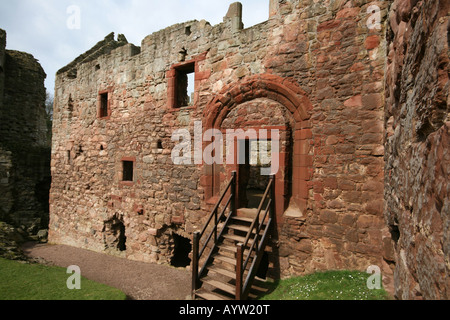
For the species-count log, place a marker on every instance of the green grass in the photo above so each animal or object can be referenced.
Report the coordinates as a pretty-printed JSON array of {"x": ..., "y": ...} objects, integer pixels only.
[
  {"x": 330, "y": 285},
  {"x": 20, "y": 281}
]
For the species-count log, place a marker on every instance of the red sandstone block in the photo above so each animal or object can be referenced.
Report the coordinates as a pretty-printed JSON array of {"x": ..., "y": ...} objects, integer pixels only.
[
  {"x": 328, "y": 216},
  {"x": 306, "y": 160},
  {"x": 318, "y": 197},
  {"x": 318, "y": 186},
  {"x": 178, "y": 220},
  {"x": 348, "y": 13},
  {"x": 303, "y": 125},
  {"x": 327, "y": 25},
  {"x": 372, "y": 42},
  {"x": 303, "y": 190},
  {"x": 355, "y": 101},
  {"x": 303, "y": 134},
  {"x": 372, "y": 101},
  {"x": 302, "y": 147},
  {"x": 330, "y": 182},
  {"x": 171, "y": 73}
]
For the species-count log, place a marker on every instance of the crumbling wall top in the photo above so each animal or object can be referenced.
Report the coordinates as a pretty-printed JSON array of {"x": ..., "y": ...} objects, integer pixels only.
[{"x": 103, "y": 47}]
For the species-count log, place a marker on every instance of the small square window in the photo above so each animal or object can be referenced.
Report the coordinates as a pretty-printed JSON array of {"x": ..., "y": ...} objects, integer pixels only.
[
  {"x": 104, "y": 105},
  {"x": 128, "y": 168}
]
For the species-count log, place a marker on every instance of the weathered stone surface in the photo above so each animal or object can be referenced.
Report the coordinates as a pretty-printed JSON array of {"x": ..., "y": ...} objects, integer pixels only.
[
  {"x": 417, "y": 192},
  {"x": 24, "y": 138},
  {"x": 313, "y": 70},
  {"x": 10, "y": 241}
]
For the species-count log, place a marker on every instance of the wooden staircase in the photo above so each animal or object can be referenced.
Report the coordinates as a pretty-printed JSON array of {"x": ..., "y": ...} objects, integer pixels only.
[{"x": 233, "y": 250}]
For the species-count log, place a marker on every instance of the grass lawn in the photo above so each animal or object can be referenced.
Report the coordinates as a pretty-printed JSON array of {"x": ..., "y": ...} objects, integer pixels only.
[
  {"x": 330, "y": 285},
  {"x": 37, "y": 282}
]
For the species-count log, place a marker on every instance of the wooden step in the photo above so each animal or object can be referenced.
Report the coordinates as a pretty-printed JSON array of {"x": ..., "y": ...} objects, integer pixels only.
[
  {"x": 233, "y": 249},
  {"x": 226, "y": 287},
  {"x": 224, "y": 272},
  {"x": 225, "y": 259},
  {"x": 242, "y": 219},
  {"x": 244, "y": 228},
  {"x": 236, "y": 238},
  {"x": 239, "y": 227},
  {"x": 230, "y": 248},
  {"x": 206, "y": 295}
]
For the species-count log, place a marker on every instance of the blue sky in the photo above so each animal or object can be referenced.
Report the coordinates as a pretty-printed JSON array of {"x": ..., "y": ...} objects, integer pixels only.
[{"x": 40, "y": 27}]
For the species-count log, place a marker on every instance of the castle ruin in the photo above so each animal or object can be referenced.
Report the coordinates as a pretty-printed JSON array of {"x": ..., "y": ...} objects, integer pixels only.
[{"x": 358, "y": 91}]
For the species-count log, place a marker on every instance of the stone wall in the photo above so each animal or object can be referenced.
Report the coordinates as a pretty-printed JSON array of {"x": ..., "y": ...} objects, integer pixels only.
[
  {"x": 2, "y": 65},
  {"x": 316, "y": 70},
  {"x": 417, "y": 147},
  {"x": 24, "y": 145}
]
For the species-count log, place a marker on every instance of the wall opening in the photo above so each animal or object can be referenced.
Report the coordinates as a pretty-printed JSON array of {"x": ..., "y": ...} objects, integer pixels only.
[
  {"x": 395, "y": 232},
  {"x": 72, "y": 74},
  {"x": 104, "y": 108},
  {"x": 185, "y": 85},
  {"x": 114, "y": 234},
  {"x": 182, "y": 249},
  {"x": 128, "y": 171}
]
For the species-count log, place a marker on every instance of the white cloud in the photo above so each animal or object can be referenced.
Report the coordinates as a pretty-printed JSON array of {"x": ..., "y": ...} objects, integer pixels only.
[{"x": 40, "y": 27}]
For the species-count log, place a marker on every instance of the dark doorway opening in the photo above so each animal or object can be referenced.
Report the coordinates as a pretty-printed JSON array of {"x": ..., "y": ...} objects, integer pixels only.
[
  {"x": 252, "y": 184},
  {"x": 181, "y": 252}
]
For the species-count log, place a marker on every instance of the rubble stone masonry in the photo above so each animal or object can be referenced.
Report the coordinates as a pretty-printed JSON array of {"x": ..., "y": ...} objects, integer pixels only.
[
  {"x": 417, "y": 189},
  {"x": 315, "y": 70},
  {"x": 24, "y": 143}
]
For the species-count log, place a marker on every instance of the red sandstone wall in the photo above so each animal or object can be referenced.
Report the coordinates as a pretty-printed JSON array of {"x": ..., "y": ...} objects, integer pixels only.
[
  {"x": 417, "y": 147},
  {"x": 319, "y": 61}
]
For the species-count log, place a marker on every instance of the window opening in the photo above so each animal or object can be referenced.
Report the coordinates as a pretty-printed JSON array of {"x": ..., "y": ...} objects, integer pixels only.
[
  {"x": 185, "y": 86},
  {"x": 128, "y": 168},
  {"x": 104, "y": 105}
]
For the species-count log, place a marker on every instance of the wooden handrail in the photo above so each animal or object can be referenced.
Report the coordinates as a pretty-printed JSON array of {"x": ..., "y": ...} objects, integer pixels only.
[
  {"x": 233, "y": 178},
  {"x": 243, "y": 287},
  {"x": 256, "y": 220},
  {"x": 196, "y": 253}
]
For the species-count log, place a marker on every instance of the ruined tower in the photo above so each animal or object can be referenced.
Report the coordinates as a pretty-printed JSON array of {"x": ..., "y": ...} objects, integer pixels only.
[{"x": 24, "y": 143}]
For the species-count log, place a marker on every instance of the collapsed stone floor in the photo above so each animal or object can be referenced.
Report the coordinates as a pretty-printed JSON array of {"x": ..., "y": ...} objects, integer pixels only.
[{"x": 138, "y": 280}]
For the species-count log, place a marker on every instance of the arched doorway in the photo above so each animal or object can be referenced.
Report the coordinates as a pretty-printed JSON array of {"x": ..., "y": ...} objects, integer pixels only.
[{"x": 256, "y": 95}]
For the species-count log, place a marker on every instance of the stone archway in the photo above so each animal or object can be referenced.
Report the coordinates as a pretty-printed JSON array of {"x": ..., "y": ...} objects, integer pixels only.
[{"x": 287, "y": 93}]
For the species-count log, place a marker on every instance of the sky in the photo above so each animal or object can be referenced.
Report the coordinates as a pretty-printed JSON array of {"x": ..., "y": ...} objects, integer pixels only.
[{"x": 55, "y": 32}]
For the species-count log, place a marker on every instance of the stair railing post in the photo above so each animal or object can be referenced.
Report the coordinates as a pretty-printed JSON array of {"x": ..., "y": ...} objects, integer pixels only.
[
  {"x": 215, "y": 227},
  {"x": 195, "y": 248},
  {"x": 273, "y": 205},
  {"x": 233, "y": 204},
  {"x": 257, "y": 233},
  {"x": 239, "y": 271}
]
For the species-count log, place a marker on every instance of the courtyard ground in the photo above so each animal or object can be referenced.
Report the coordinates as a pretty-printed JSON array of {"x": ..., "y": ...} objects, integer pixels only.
[{"x": 139, "y": 281}]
